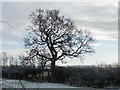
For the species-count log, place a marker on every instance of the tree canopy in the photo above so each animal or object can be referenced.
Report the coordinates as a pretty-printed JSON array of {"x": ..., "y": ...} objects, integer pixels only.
[{"x": 53, "y": 37}]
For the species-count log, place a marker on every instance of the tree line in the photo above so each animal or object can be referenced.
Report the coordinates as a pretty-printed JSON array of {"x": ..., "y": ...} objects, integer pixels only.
[{"x": 86, "y": 76}]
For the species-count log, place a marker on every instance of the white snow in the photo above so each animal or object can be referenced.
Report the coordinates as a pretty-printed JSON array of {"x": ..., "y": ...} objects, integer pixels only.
[
  {"x": 26, "y": 84},
  {"x": 9, "y": 83}
]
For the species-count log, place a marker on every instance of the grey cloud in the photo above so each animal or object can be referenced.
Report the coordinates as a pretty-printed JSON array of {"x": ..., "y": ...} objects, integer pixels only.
[
  {"x": 99, "y": 15},
  {"x": 106, "y": 26},
  {"x": 103, "y": 17}
]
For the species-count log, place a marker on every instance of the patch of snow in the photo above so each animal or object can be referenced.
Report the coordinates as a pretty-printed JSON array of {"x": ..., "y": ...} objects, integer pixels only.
[
  {"x": 26, "y": 84},
  {"x": 9, "y": 83}
]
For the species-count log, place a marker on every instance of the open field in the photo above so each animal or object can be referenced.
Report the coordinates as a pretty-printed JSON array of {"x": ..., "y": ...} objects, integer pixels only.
[{"x": 45, "y": 86}]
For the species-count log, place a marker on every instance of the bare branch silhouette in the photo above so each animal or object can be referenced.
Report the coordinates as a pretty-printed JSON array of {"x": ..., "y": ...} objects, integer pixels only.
[
  {"x": 8, "y": 24},
  {"x": 58, "y": 36}
]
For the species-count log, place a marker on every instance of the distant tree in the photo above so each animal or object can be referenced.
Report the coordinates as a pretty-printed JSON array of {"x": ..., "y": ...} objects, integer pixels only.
[
  {"x": 5, "y": 58},
  {"x": 13, "y": 60},
  {"x": 58, "y": 36},
  {"x": 21, "y": 59}
]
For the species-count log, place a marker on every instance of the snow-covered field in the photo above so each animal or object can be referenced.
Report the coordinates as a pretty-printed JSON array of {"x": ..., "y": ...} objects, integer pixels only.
[
  {"x": 8, "y": 83},
  {"x": 27, "y": 84}
]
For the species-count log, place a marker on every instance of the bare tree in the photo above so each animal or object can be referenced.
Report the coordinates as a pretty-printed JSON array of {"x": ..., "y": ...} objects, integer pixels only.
[
  {"x": 13, "y": 60},
  {"x": 4, "y": 58},
  {"x": 58, "y": 36},
  {"x": 21, "y": 59}
]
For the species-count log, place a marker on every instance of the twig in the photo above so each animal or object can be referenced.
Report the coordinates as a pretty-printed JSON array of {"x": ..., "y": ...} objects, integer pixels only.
[{"x": 7, "y": 23}]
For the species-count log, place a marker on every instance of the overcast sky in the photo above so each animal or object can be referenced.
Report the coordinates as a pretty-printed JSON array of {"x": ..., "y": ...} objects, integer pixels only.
[{"x": 100, "y": 18}]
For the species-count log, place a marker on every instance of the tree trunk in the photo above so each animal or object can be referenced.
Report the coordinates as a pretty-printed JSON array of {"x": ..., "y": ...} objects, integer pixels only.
[
  {"x": 53, "y": 70},
  {"x": 42, "y": 73}
]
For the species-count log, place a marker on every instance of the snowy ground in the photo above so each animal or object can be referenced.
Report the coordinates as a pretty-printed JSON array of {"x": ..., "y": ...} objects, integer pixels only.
[
  {"x": 7, "y": 83},
  {"x": 27, "y": 84}
]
